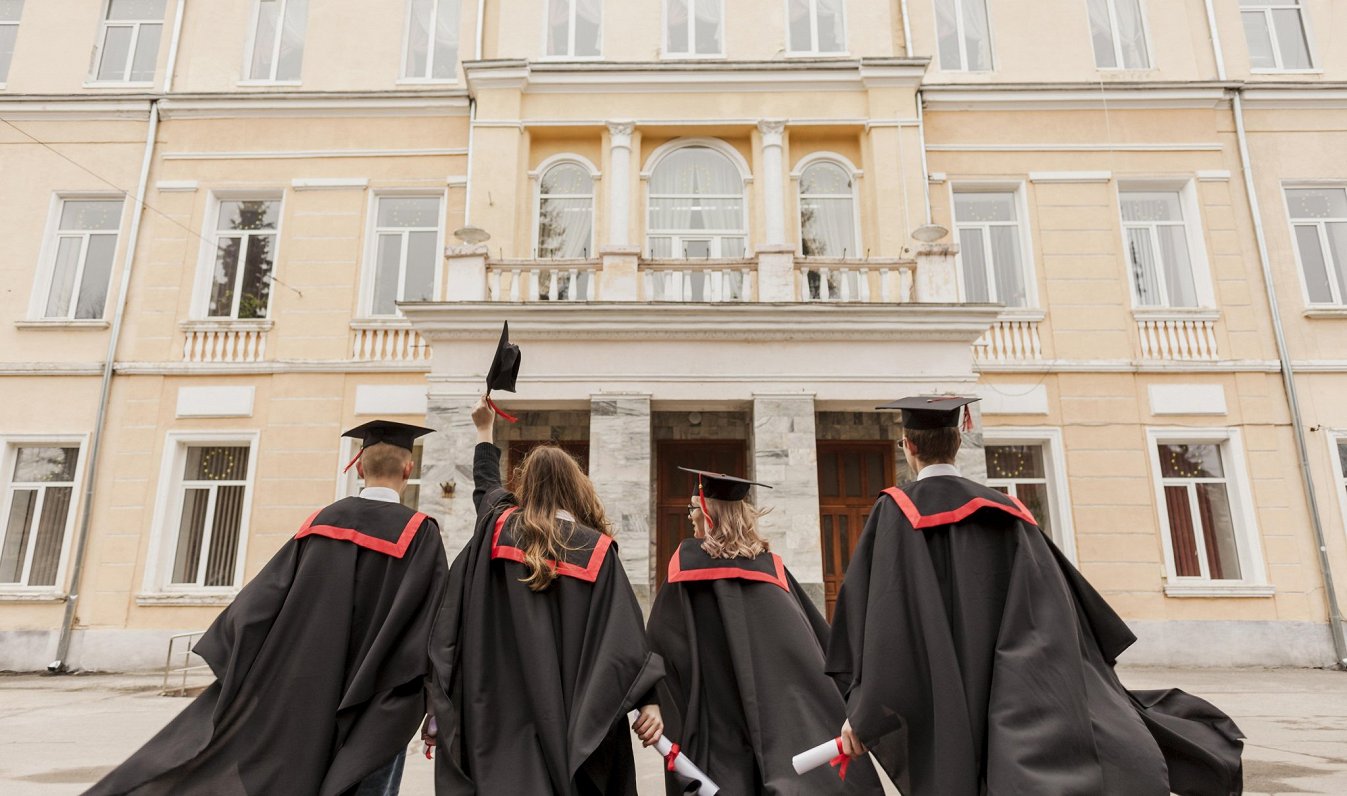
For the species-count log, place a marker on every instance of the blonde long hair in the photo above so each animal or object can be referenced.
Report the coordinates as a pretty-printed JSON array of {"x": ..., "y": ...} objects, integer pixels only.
[
  {"x": 733, "y": 530},
  {"x": 550, "y": 480}
]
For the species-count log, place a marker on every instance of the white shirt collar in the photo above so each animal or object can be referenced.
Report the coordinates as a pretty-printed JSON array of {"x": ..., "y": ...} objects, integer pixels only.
[
  {"x": 938, "y": 469},
  {"x": 381, "y": 493}
]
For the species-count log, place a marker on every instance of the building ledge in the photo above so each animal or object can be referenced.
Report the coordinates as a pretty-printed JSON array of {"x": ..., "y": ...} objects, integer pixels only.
[
  {"x": 61, "y": 324},
  {"x": 1326, "y": 312},
  {"x": 185, "y": 598},
  {"x": 1219, "y": 589},
  {"x": 32, "y": 597}
]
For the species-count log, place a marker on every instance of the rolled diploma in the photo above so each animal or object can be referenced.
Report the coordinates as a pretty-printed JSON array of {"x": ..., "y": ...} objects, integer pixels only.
[
  {"x": 682, "y": 764},
  {"x": 820, "y": 755}
]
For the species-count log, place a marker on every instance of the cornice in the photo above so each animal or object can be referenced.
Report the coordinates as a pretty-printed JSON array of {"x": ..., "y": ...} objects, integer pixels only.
[
  {"x": 310, "y": 105},
  {"x": 1071, "y": 96}
]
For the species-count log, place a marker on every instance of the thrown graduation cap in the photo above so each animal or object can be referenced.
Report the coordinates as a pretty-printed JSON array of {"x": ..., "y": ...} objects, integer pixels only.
[
  {"x": 390, "y": 432},
  {"x": 504, "y": 371},
  {"x": 719, "y": 486},
  {"x": 934, "y": 411}
]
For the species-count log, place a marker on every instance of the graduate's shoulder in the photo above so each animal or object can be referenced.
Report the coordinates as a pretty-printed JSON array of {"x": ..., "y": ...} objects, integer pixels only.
[
  {"x": 690, "y": 563},
  {"x": 586, "y": 548},
  {"x": 382, "y": 526},
  {"x": 946, "y": 499}
]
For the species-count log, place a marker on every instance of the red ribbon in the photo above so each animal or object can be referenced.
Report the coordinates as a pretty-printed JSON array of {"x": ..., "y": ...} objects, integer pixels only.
[
  {"x": 353, "y": 460},
  {"x": 841, "y": 761},
  {"x": 497, "y": 410},
  {"x": 429, "y": 752},
  {"x": 701, "y": 498},
  {"x": 671, "y": 757}
]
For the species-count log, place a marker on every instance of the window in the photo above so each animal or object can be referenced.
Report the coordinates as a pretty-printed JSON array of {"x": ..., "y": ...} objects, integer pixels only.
[
  {"x": 815, "y": 27},
  {"x": 1158, "y": 249},
  {"x": 827, "y": 211},
  {"x": 211, "y": 499},
  {"x": 990, "y": 248},
  {"x": 1275, "y": 30},
  {"x": 573, "y": 28},
  {"x": 38, "y": 499},
  {"x": 277, "y": 49},
  {"x": 565, "y": 211},
  {"x": 128, "y": 46},
  {"x": 406, "y": 251},
  {"x": 245, "y": 253},
  {"x": 1319, "y": 220},
  {"x": 694, "y": 27},
  {"x": 696, "y": 206},
  {"x": 963, "y": 35},
  {"x": 1119, "y": 34},
  {"x": 1021, "y": 471},
  {"x": 432, "y": 40},
  {"x": 1198, "y": 511},
  {"x": 411, "y": 496},
  {"x": 82, "y": 249},
  {"x": 10, "y": 11}
]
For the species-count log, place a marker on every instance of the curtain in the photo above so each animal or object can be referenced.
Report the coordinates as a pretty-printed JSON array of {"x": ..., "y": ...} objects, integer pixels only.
[
  {"x": 1142, "y": 258},
  {"x": 1182, "y": 540},
  {"x": 1289, "y": 28},
  {"x": 63, "y": 277},
  {"x": 224, "y": 538},
  {"x": 1131, "y": 34},
  {"x": 565, "y": 227},
  {"x": 1178, "y": 267},
  {"x": 976, "y": 34},
  {"x": 831, "y": 34},
  {"x": 587, "y": 26},
  {"x": 50, "y": 534},
  {"x": 264, "y": 38},
  {"x": 827, "y": 227},
  {"x": 292, "y": 39},
  {"x": 23, "y": 502},
  {"x": 800, "y": 26},
  {"x": 388, "y": 256},
  {"x": 947, "y": 32},
  {"x": 191, "y": 528},
  {"x": 1337, "y": 247},
  {"x": 446, "y": 40},
  {"x": 707, "y": 17},
  {"x": 93, "y": 292},
  {"x": 1006, "y": 266},
  {"x": 1218, "y": 531},
  {"x": 418, "y": 38},
  {"x": 974, "y": 257},
  {"x": 1101, "y": 33}
]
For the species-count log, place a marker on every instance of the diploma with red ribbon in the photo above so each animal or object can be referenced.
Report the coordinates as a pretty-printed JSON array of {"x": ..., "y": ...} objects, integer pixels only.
[
  {"x": 829, "y": 752},
  {"x": 678, "y": 762}
]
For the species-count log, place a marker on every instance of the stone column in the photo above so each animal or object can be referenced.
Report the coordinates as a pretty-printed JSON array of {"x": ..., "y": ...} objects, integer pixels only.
[
  {"x": 785, "y": 455},
  {"x": 465, "y": 279},
  {"x": 619, "y": 183},
  {"x": 773, "y": 186},
  {"x": 620, "y": 456},
  {"x": 937, "y": 280},
  {"x": 446, "y": 464},
  {"x": 776, "y": 272},
  {"x": 972, "y": 458}
]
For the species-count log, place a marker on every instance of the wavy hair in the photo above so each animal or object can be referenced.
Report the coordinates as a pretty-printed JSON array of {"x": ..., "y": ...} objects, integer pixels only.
[
  {"x": 550, "y": 480},
  {"x": 734, "y": 533}
]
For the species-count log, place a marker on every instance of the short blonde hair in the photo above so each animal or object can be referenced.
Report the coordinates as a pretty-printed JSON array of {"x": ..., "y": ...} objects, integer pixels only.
[
  {"x": 733, "y": 530},
  {"x": 382, "y": 460}
]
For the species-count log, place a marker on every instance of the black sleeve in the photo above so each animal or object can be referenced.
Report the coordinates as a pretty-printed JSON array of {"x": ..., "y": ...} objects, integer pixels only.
[{"x": 486, "y": 486}]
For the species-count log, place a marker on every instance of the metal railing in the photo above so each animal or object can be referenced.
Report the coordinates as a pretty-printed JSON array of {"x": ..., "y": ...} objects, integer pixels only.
[{"x": 183, "y": 645}]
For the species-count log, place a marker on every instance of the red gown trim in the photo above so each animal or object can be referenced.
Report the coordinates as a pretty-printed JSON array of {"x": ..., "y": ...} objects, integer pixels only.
[
  {"x": 679, "y": 575},
  {"x": 395, "y": 549},
  {"x": 920, "y": 521},
  {"x": 589, "y": 573}
]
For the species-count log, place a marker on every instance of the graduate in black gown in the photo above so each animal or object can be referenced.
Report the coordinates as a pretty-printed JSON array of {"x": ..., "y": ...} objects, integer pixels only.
[
  {"x": 539, "y": 650},
  {"x": 979, "y": 660},
  {"x": 743, "y": 652},
  {"x": 320, "y": 661}
]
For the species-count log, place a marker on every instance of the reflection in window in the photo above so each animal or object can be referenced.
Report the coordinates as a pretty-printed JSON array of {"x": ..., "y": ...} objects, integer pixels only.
[
  {"x": 696, "y": 206},
  {"x": 406, "y": 251},
  {"x": 244, "y": 257},
  {"x": 1319, "y": 218},
  {"x": 1198, "y": 511},
  {"x": 38, "y": 497},
  {"x": 827, "y": 211},
  {"x": 990, "y": 251}
]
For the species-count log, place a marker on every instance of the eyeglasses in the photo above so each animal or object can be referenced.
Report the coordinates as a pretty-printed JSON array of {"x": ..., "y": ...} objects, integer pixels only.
[{"x": 693, "y": 508}]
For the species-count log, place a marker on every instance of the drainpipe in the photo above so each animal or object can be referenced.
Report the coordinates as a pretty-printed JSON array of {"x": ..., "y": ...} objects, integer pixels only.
[
  {"x": 907, "y": 31},
  {"x": 1335, "y": 626},
  {"x": 481, "y": 12},
  {"x": 925, "y": 167},
  {"x": 91, "y": 478},
  {"x": 467, "y": 189},
  {"x": 173, "y": 46}
]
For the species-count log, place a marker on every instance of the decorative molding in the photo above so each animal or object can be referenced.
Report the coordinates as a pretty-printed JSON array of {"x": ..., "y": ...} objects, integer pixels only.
[
  {"x": 1003, "y": 398},
  {"x": 297, "y": 105},
  {"x": 216, "y": 401},
  {"x": 63, "y": 324},
  {"x": 1134, "y": 366},
  {"x": 1213, "y": 175},
  {"x": 1219, "y": 589},
  {"x": 457, "y": 181},
  {"x": 1187, "y": 399},
  {"x": 168, "y": 186},
  {"x": 267, "y": 368},
  {"x": 1049, "y": 177},
  {"x": 391, "y": 399},
  {"x": 1041, "y": 96},
  {"x": 51, "y": 369},
  {"x": 1067, "y": 147},
  {"x": 184, "y": 598},
  {"x": 1326, "y": 312},
  {"x": 772, "y": 130},
  {"x": 32, "y": 597},
  {"x": 936, "y": 177},
  {"x": 67, "y": 108},
  {"x": 313, "y": 154},
  {"x": 328, "y": 183}
]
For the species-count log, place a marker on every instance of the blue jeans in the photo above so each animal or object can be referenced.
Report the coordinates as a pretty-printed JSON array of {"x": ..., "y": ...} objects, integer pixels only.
[{"x": 384, "y": 781}]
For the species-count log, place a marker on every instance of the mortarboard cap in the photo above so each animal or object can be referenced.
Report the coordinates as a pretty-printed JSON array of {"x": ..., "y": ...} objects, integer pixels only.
[
  {"x": 932, "y": 411},
  {"x": 505, "y": 367},
  {"x": 403, "y": 435},
  {"x": 719, "y": 486}
]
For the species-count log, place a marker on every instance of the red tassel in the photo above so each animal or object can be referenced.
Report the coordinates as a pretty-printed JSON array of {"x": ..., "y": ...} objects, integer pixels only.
[
  {"x": 967, "y": 419},
  {"x": 701, "y": 498},
  {"x": 353, "y": 460},
  {"x": 840, "y": 762},
  {"x": 497, "y": 410},
  {"x": 671, "y": 757},
  {"x": 430, "y": 752}
]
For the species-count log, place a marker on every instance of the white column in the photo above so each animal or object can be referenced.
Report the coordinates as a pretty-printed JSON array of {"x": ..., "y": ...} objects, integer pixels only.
[
  {"x": 785, "y": 455},
  {"x": 773, "y": 188},
  {"x": 619, "y": 182},
  {"x": 620, "y": 465},
  {"x": 446, "y": 468}
]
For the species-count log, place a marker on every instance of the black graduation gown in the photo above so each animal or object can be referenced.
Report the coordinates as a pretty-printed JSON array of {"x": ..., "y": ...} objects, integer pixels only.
[
  {"x": 531, "y": 689},
  {"x": 743, "y": 653},
  {"x": 320, "y": 663},
  {"x": 980, "y": 660}
]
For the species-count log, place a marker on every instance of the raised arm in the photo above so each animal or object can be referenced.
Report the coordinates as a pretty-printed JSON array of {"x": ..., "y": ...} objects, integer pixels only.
[{"x": 486, "y": 483}]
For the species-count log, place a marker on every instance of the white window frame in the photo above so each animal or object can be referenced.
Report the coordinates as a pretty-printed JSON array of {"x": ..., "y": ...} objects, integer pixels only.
[
  {"x": 1314, "y": 67},
  {"x": 168, "y": 513},
  {"x": 1292, "y": 223},
  {"x": 856, "y": 174},
  {"x": 1195, "y": 234},
  {"x": 536, "y": 177},
  {"x": 430, "y": 50},
  {"x": 678, "y": 236},
  {"x": 1027, "y": 265},
  {"x": 570, "y": 55},
  {"x": 103, "y": 24},
  {"x": 210, "y": 244},
  {"x": 963, "y": 40},
  {"x": 9, "y": 445},
  {"x": 691, "y": 54},
  {"x": 248, "y": 79},
  {"x": 1116, "y": 39},
  {"x": 14, "y": 23},
  {"x": 1248, "y": 540},
  {"x": 813, "y": 33},
  {"x": 46, "y": 270},
  {"x": 1338, "y": 437},
  {"x": 1055, "y": 475},
  {"x": 371, "y": 252},
  {"x": 348, "y": 482}
]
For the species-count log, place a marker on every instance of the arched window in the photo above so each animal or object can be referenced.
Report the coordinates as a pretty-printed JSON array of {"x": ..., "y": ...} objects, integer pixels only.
[
  {"x": 827, "y": 211},
  {"x": 565, "y": 211},
  {"x": 696, "y": 206}
]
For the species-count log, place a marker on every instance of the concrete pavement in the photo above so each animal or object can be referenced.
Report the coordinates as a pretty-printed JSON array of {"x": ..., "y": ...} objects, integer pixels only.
[{"x": 60, "y": 734}]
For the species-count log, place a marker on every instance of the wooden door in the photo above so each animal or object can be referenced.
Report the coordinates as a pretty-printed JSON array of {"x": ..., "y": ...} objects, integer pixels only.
[
  {"x": 850, "y": 477},
  {"x": 675, "y": 488}
]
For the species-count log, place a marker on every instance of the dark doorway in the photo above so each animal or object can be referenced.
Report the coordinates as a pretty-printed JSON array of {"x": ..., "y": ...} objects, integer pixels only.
[
  {"x": 674, "y": 487},
  {"x": 850, "y": 477}
]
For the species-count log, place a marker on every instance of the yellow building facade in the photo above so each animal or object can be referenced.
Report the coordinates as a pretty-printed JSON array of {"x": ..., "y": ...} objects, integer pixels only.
[{"x": 238, "y": 228}]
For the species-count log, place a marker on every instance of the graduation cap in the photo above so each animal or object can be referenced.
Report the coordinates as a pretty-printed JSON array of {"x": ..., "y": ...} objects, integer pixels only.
[
  {"x": 389, "y": 432},
  {"x": 719, "y": 486},
  {"x": 504, "y": 370},
  {"x": 934, "y": 411}
]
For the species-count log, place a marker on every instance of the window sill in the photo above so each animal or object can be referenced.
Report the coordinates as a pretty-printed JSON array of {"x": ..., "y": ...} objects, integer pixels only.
[
  {"x": 32, "y": 597},
  {"x": 691, "y": 56},
  {"x": 186, "y": 598},
  {"x": 59, "y": 323},
  {"x": 226, "y": 325},
  {"x": 111, "y": 84},
  {"x": 1216, "y": 588},
  {"x": 381, "y": 322},
  {"x": 1286, "y": 71},
  {"x": 1024, "y": 314},
  {"x": 1176, "y": 314},
  {"x": 426, "y": 81},
  {"x": 1326, "y": 312},
  {"x": 268, "y": 83},
  {"x": 843, "y": 54},
  {"x": 565, "y": 59}
]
